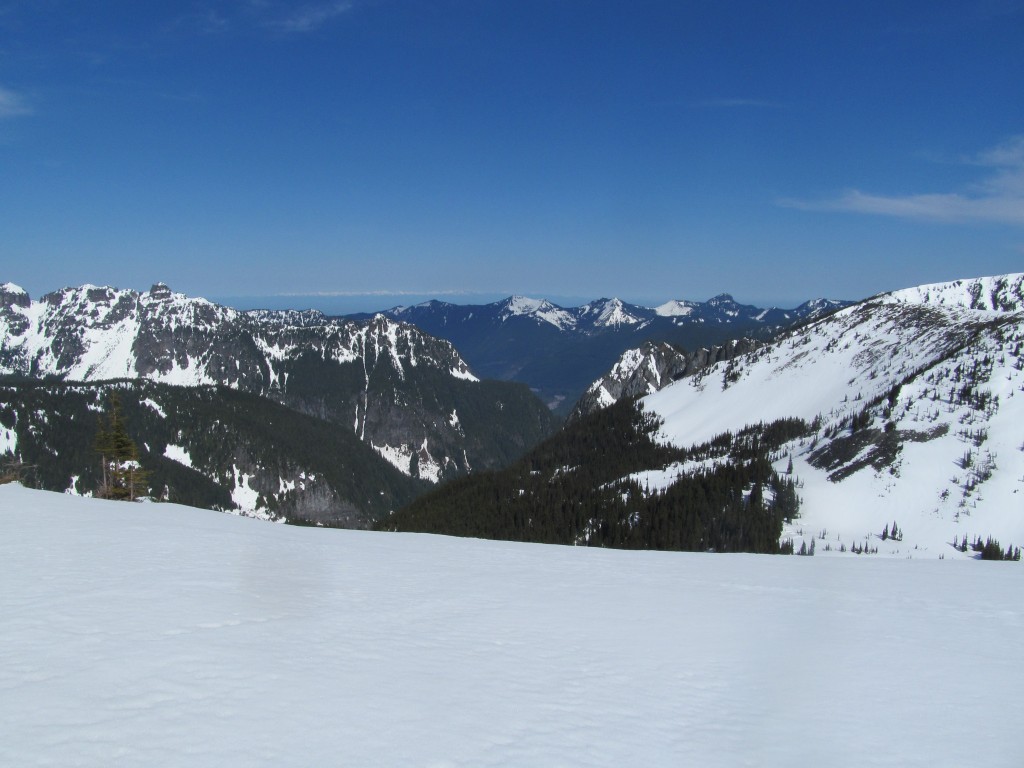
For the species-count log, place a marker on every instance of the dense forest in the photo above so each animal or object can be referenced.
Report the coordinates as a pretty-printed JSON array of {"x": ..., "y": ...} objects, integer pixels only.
[
  {"x": 576, "y": 488},
  {"x": 302, "y": 469}
]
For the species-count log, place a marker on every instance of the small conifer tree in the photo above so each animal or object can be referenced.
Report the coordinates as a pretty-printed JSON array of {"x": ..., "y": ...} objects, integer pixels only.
[{"x": 122, "y": 475}]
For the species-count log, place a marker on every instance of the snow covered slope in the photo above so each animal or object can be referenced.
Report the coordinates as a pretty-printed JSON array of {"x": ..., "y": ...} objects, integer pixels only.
[
  {"x": 160, "y": 635},
  {"x": 917, "y": 404}
]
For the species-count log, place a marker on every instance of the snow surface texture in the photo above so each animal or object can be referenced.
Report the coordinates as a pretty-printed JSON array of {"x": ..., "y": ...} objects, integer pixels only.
[
  {"x": 940, "y": 366},
  {"x": 158, "y": 635}
]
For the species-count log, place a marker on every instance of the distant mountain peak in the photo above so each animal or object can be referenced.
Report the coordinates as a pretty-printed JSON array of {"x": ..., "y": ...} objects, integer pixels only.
[
  {"x": 524, "y": 305},
  {"x": 615, "y": 313},
  {"x": 160, "y": 291},
  {"x": 14, "y": 295},
  {"x": 541, "y": 310},
  {"x": 675, "y": 308},
  {"x": 722, "y": 298}
]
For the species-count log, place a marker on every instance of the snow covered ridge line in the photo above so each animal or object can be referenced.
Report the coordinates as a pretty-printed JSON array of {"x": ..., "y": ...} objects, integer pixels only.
[
  {"x": 615, "y": 314},
  {"x": 93, "y": 333},
  {"x": 1000, "y": 293},
  {"x": 917, "y": 397},
  {"x": 647, "y": 369}
]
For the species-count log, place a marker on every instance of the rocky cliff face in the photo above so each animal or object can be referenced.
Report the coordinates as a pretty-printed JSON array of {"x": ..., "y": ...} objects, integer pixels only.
[
  {"x": 649, "y": 368},
  {"x": 400, "y": 390}
]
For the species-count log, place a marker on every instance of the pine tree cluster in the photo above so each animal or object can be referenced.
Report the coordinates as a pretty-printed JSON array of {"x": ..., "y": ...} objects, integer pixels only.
[
  {"x": 571, "y": 490},
  {"x": 989, "y": 549}
]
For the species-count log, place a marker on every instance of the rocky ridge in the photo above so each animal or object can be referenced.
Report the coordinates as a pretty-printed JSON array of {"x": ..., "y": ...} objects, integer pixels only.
[
  {"x": 653, "y": 366},
  {"x": 408, "y": 395}
]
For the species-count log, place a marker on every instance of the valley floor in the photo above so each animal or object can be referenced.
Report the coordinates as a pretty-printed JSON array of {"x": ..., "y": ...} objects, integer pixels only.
[{"x": 158, "y": 635}]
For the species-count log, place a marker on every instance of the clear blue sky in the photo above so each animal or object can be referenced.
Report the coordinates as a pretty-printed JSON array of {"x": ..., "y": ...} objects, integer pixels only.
[{"x": 647, "y": 150}]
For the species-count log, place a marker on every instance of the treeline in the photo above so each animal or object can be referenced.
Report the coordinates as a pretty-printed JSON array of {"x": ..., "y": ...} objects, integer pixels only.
[{"x": 575, "y": 489}]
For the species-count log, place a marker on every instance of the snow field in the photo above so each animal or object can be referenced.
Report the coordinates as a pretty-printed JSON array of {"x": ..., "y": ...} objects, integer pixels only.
[{"x": 153, "y": 634}]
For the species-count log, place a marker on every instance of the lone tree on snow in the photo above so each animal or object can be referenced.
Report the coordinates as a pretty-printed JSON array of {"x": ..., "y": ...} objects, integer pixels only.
[{"x": 123, "y": 477}]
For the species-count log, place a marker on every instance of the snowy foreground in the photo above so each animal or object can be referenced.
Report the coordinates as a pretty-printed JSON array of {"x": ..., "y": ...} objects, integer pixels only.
[{"x": 158, "y": 635}]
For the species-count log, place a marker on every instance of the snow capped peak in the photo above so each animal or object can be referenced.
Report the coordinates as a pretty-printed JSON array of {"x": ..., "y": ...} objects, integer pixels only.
[
  {"x": 675, "y": 308},
  {"x": 611, "y": 312},
  {"x": 999, "y": 293},
  {"x": 12, "y": 295},
  {"x": 541, "y": 310},
  {"x": 524, "y": 305}
]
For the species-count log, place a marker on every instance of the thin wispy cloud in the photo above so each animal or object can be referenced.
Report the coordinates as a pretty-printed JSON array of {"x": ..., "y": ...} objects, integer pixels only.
[
  {"x": 12, "y": 104},
  {"x": 311, "y": 17},
  {"x": 218, "y": 17},
  {"x": 995, "y": 198},
  {"x": 210, "y": 21}
]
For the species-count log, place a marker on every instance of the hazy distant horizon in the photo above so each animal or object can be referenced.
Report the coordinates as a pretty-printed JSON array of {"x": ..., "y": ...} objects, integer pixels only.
[{"x": 378, "y": 302}]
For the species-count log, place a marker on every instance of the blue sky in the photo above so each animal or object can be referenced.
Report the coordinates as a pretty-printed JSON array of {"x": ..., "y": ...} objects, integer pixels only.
[{"x": 467, "y": 148}]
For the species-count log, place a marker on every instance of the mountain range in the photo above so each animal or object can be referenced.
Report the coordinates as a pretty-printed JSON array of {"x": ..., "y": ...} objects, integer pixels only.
[
  {"x": 900, "y": 412},
  {"x": 405, "y": 395},
  {"x": 560, "y": 351}
]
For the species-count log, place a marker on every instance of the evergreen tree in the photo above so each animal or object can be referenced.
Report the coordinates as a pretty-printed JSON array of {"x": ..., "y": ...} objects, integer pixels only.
[{"x": 123, "y": 476}]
